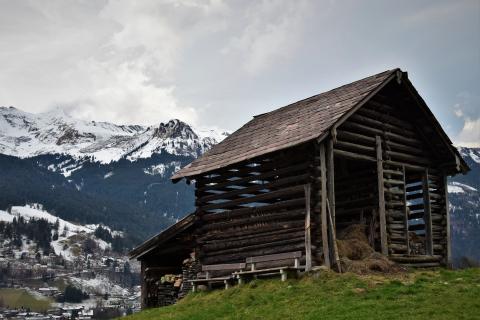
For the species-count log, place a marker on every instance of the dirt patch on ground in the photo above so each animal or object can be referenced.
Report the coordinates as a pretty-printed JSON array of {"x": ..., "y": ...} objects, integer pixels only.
[{"x": 357, "y": 256}]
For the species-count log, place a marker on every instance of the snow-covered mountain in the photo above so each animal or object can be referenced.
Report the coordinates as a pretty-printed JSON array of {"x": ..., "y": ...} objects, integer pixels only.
[
  {"x": 464, "y": 198},
  {"x": 25, "y": 135}
]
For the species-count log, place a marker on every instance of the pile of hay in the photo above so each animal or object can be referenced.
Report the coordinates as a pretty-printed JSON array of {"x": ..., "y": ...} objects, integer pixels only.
[{"x": 357, "y": 256}]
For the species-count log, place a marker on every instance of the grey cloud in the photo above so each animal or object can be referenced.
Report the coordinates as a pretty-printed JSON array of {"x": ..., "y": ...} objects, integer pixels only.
[{"x": 217, "y": 63}]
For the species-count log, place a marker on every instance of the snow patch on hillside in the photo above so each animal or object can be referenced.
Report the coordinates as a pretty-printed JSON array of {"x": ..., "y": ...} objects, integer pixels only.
[
  {"x": 66, "y": 230},
  {"x": 161, "y": 169},
  {"x": 457, "y": 187},
  {"x": 35, "y": 211},
  {"x": 472, "y": 153},
  {"x": 108, "y": 175},
  {"x": 100, "y": 285},
  {"x": 5, "y": 216},
  {"x": 475, "y": 155}
]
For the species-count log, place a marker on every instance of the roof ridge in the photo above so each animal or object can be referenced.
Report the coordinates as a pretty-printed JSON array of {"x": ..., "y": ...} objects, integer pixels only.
[{"x": 324, "y": 92}]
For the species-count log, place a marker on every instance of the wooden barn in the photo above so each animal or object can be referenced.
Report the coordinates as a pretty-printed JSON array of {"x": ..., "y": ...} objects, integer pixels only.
[{"x": 281, "y": 187}]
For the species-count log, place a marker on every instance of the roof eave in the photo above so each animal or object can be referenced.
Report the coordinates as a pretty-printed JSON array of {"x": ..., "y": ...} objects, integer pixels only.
[{"x": 151, "y": 243}]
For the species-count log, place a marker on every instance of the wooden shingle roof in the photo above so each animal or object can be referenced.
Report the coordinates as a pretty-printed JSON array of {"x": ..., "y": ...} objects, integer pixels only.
[{"x": 288, "y": 126}]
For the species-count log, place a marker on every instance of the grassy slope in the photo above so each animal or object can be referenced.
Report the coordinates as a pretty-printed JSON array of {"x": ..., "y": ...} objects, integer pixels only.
[
  {"x": 16, "y": 298},
  {"x": 418, "y": 295}
]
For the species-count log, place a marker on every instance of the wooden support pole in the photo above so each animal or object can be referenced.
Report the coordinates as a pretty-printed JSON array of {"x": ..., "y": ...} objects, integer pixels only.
[
  {"x": 427, "y": 214},
  {"x": 323, "y": 176},
  {"x": 143, "y": 290},
  {"x": 381, "y": 197},
  {"x": 447, "y": 209},
  {"x": 331, "y": 179},
  {"x": 334, "y": 239},
  {"x": 308, "y": 239},
  {"x": 405, "y": 210},
  {"x": 283, "y": 275}
]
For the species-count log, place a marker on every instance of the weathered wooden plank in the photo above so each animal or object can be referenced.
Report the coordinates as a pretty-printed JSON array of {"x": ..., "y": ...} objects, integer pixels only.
[
  {"x": 308, "y": 239},
  {"x": 236, "y": 192},
  {"x": 428, "y": 214},
  {"x": 408, "y": 158},
  {"x": 383, "y": 125},
  {"x": 323, "y": 175},
  {"x": 381, "y": 197},
  {"x": 237, "y": 243},
  {"x": 334, "y": 238},
  {"x": 370, "y": 110},
  {"x": 245, "y": 181},
  {"x": 355, "y": 137},
  {"x": 413, "y": 259},
  {"x": 354, "y": 126},
  {"x": 288, "y": 215},
  {"x": 352, "y": 155},
  {"x": 237, "y": 213},
  {"x": 405, "y": 211},
  {"x": 233, "y": 233},
  {"x": 238, "y": 257},
  {"x": 274, "y": 257},
  {"x": 225, "y": 266},
  {"x": 239, "y": 250},
  {"x": 257, "y": 166},
  {"x": 447, "y": 213},
  {"x": 353, "y": 147},
  {"x": 143, "y": 289},
  {"x": 407, "y": 165},
  {"x": 331, "y": 179},
  {"x": 290, "y": 191}
]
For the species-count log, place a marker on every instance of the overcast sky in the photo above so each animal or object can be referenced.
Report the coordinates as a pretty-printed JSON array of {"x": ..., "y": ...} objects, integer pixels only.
[{"x": 217, "y": 63}]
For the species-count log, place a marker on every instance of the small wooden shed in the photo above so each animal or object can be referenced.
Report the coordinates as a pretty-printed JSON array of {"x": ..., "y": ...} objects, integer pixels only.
[{"x": 368, "y": 152}]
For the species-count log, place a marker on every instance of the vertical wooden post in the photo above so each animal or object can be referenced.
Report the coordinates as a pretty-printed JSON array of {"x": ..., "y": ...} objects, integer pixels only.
[
  {"x": 427, "y": 214},
  {"x": 308, "y": 239},
  {"x": 336, "y": 257},
  {"x": 143, "y": 290},
  {"x": 447, "y": 209},
  {"x": 405, "y": 210},
  {"x": 331, "y": 179},
  {"x": 323, "y": 176},
  {"x": 381, "y": 197}
]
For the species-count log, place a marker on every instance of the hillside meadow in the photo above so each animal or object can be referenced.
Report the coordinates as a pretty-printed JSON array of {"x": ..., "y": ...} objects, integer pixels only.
[
  {"x": 438, "y": 294},
  {"x": 18, "y": 298}
]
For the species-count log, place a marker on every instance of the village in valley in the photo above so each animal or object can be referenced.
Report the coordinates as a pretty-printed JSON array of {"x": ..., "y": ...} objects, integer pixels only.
[{"x": 75, "y": 274}]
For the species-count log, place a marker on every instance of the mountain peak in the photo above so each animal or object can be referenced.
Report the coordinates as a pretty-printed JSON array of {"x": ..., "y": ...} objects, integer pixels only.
[{"x": 175, "y": 129}]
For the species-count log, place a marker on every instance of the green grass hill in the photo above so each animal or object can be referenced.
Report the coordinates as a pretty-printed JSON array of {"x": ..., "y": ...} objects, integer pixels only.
[{"x": 438, "y": 294}]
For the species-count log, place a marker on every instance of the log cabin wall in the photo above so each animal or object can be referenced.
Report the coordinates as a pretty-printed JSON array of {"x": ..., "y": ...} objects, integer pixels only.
[
  {"x": 411, "y": 185},
  {"x": 255, "y": 208}
]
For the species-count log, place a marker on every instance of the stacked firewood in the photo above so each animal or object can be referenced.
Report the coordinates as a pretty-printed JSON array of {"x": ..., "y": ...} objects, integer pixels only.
[
  {"x": 167, "y": 294},
  {"x": 190, "y": 269}
]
